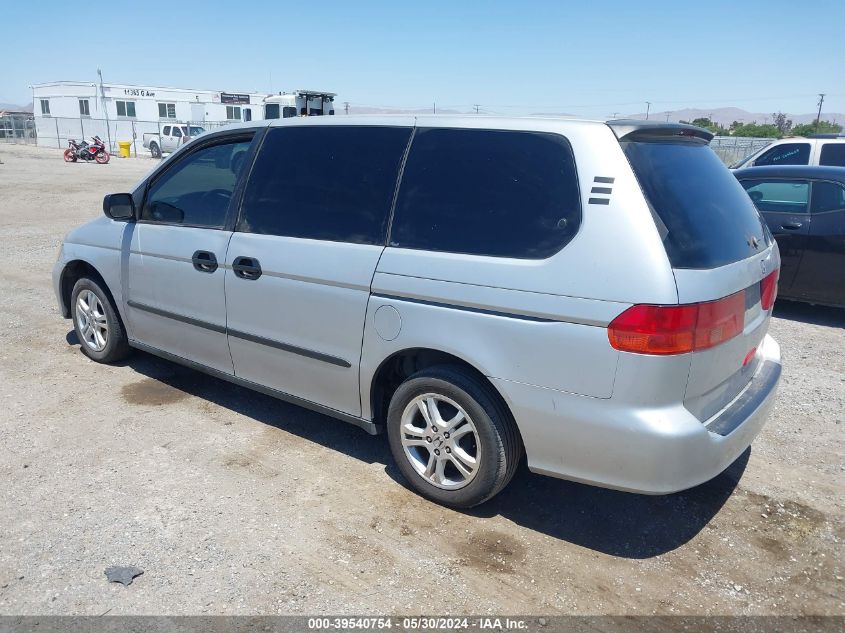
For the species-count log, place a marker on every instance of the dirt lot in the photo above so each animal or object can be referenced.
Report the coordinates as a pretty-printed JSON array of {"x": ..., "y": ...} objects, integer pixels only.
[{"x": 232, "y": 502}]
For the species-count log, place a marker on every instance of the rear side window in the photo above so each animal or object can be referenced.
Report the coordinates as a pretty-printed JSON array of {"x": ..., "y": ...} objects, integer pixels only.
[
  {"x": 702, "y": 212},
  {"x": 779, "y": 196},
  {"x": 827, "y": 196},
  {"x": 486, "y": 192},
  {"x": 325, "y": 183},
  {"x": 833, "y": 154},
  {"x": 786, "y": 154}
]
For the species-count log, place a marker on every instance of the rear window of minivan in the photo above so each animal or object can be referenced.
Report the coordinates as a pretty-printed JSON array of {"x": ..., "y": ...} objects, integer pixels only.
[{"x": 703, "y": 214}]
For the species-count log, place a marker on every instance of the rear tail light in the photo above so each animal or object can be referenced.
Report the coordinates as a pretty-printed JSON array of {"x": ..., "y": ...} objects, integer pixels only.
[
  {"x": 769, "y": 289},
  {"x": 661, "y": 330}
]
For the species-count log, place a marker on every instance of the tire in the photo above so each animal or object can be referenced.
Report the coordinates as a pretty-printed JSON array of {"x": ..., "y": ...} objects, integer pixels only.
[
  {"x": 493, "y": 441},
  {"x": 102, "y": 157},
  {"x": 106, "y": 341},
  {"x": 155, "y": 151},
  {"x": 70, "y": 157}
]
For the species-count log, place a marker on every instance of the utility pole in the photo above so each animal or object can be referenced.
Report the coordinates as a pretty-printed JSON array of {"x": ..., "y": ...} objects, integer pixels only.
[
  {"x": 819, "y": 115},
  {"x": 615, "y": 115},
  {"x": 346, "y": 107},
  {"x": 667, "y": 117},
  {"x": 105, "y": 109},
  {"x": 476, "y": 106},
  {"x": 434, "y": 108},
  {"x": 647, "y": 108}
]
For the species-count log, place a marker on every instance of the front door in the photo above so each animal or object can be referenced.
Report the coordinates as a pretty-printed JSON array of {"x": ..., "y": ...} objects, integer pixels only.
[
  {"x": 301, "y": 262},
  {"x": 175, "y": 301},
  {"x": 197, "y": 113},
  {"x": 821, "y": 276},
  {"x": 785, "y": 204}
]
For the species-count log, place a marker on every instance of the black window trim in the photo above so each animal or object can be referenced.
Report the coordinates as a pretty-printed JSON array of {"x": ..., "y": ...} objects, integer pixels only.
[
  {"x": 238, "y": 220},
  {"x": 809, "y": 182},
  {"x": 563, "y": 244},
  {"x": 255, "y": 136}
]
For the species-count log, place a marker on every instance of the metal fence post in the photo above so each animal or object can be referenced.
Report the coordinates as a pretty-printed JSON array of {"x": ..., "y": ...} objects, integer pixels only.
[
  {"x": 134, "y": 140},
  {"x": 58, "y": 140},
  {"x": 82, "y": 130}
]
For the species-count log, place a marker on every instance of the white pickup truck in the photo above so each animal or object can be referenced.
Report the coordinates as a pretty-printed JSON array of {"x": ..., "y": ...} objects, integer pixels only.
[{"x": 171, "y": 137}]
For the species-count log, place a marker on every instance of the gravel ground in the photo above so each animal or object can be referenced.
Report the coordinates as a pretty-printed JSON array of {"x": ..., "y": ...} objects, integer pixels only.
[{"x": 234, "y": 503}]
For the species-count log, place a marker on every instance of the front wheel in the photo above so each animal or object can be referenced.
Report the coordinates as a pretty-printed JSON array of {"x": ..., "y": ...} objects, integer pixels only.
[
  {"x": 452, "y": 437},
  {"x": 155, "y": 151},
  {"x": 102, "y": 157},
  {"x": 97, "y": 324},
  {"x": 70, "y": 157}
]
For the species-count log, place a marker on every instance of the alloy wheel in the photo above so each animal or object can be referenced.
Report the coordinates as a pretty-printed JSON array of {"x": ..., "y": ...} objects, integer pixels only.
[
  {"x": 440, "y": 441},
  {"x": 92, "y": 321}
]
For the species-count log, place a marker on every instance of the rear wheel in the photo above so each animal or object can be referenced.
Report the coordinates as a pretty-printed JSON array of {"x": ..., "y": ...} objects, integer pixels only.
[
  {"x": 100, "y": 331},
  {"x": 155, "y": 150},
  {"x": 452, "y": 437},
  {"x": 70, "y": 157}
]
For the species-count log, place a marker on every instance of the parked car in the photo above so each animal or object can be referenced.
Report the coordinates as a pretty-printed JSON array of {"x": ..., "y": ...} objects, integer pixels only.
[
  {"x": 816, "y": 149},
  {"x": 171, "y": 138},
  {"x": 804, "y": 208},
  {"x": 595, "y": 296}
]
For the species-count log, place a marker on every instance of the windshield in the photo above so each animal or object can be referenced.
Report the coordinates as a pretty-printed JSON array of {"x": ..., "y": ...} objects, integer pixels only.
[{"x": 703, "y": 214}]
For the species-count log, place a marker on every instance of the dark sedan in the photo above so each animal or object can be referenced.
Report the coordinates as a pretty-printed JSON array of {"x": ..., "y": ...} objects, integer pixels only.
[{"x": 805, "y": 210}]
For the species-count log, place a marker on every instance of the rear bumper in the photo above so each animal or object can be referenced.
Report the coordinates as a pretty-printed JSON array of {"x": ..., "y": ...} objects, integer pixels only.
[{"x": 648, "y": 450}]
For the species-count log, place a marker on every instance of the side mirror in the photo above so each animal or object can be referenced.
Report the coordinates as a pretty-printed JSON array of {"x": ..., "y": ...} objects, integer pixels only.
[{"x": 119, "y": 206}]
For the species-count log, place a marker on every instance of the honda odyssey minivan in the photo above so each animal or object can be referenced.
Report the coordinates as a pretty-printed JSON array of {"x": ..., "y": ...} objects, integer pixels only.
[{"x": 594, "y": 296}]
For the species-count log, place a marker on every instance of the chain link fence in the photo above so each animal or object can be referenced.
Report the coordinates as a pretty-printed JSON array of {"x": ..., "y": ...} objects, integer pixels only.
[
  {"x": 16, "y": 127},
  {"x": 732, "y": 148},
  {"x": 56, "y": 131},
  {"x": 49, "y": 131}
]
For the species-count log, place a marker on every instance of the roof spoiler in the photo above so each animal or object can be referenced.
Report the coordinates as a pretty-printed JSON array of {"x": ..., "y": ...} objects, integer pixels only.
[{"x": 633, "y": 130}]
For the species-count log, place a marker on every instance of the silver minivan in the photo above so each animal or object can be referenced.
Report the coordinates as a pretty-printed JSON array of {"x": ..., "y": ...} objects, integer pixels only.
[{"x": 594, "y": 296}]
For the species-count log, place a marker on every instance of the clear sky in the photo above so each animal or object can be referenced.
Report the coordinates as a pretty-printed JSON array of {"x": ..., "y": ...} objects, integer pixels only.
[{"x": 590, "y": 58}]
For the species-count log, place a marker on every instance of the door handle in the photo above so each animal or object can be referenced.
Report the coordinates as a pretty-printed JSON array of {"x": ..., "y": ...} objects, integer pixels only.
[
  {"x": 246, "y": 268},
  {"x": 791, "y": 226},
  {"x": 204, "y": 261}
]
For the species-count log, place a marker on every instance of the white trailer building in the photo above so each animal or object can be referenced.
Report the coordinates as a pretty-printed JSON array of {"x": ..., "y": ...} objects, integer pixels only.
[{"x": 123, "y": 112}]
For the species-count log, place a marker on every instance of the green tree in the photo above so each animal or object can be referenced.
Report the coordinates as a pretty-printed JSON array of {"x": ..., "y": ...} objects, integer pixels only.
[
  {"x": 707, "y": 124},
  {"x": 783, "y": 124},
  {"x": 825, "y": 127},
  {"x": 768, "y": 130}
]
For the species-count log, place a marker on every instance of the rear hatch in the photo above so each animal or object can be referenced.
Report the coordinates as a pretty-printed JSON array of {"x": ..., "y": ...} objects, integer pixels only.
[{"x": 723, "y": 257}]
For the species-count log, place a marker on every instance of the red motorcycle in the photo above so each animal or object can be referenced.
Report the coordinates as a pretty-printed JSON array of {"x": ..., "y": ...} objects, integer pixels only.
[{"x": 95, "y": 151}]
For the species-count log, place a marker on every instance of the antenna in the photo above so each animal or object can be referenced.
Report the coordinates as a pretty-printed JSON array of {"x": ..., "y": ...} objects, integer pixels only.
[{"x": 647, "y": 108}]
